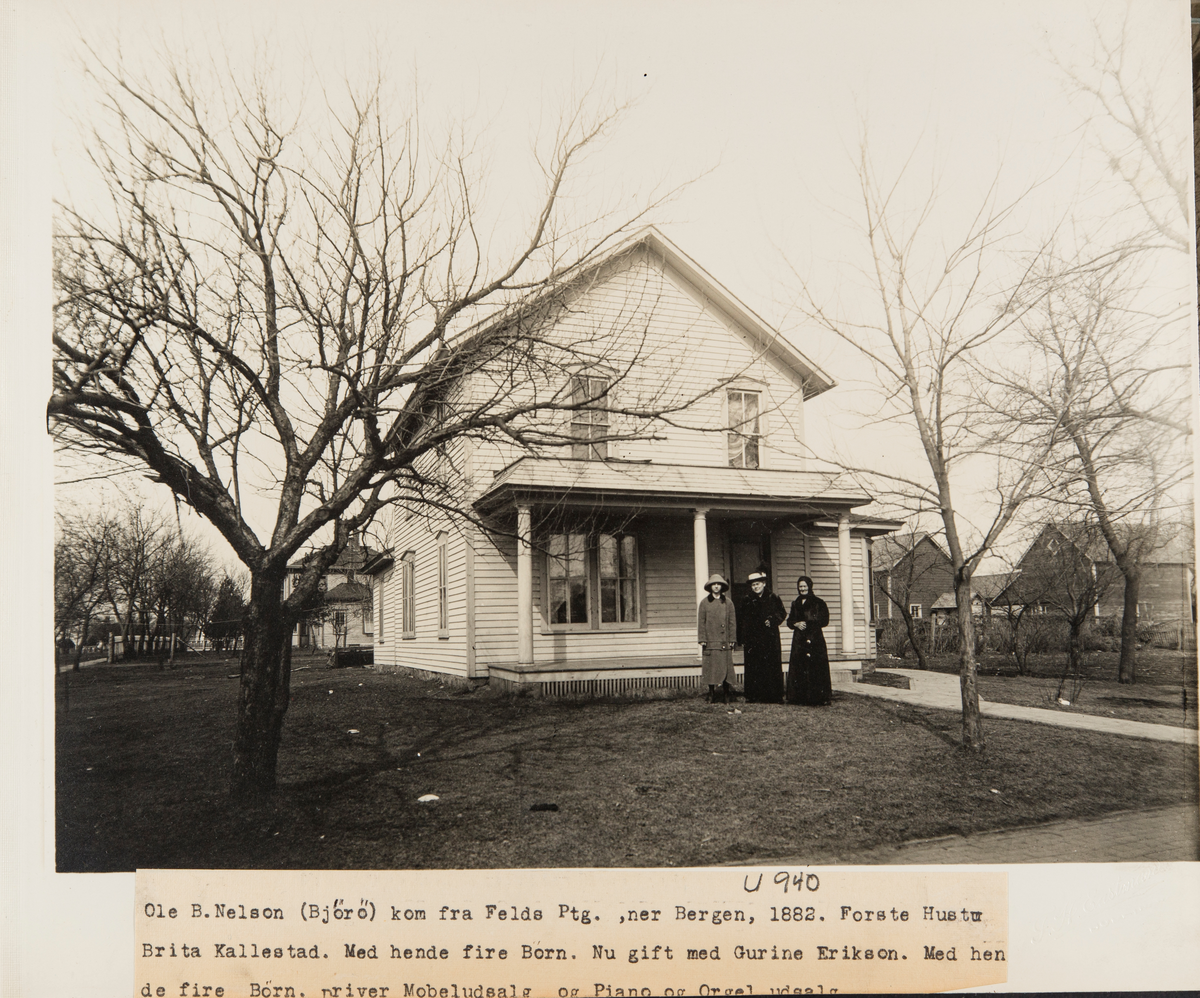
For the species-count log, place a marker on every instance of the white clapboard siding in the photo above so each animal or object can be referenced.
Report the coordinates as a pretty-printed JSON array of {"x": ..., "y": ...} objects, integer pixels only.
[
  {"x": 669, "y": 573},
  {"x": 664, "y": 348},
  {"x": 426, "y": 649}
]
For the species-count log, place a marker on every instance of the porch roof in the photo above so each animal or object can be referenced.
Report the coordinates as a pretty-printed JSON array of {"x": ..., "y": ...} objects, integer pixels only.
[{"x": 646, "y": 485}]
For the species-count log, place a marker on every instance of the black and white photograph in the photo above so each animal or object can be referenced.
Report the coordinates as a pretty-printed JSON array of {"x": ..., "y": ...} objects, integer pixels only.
[{"x": 531, "y": 436}]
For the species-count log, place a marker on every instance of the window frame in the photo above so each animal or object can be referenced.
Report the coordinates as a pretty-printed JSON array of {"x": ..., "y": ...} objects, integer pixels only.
[
  {"x": 734, "y": 433},
  {"x": 914, "y": 611},
  {"x": 408, "y": 596},
  {"x": 380, "y": 615},
  {"x": 594, "y": 584},
  {"x": 443, "y": 579},
  {"x": 585, "y": 420}
]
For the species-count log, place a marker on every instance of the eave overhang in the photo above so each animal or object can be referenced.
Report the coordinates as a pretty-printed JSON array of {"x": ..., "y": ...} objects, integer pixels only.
[{"x": 638, "y": 486}]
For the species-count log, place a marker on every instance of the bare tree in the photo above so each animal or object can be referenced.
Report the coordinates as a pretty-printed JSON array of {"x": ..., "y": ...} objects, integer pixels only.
[
  {"x": 1100, "y": 371},
  {"x": 82, "y": 553},
  {"x": 1132, "y": 125},
  {"x": 272, "y": 305},
  {"x": 939, "y": 304},
  {"x": 1061, "y": 578}
]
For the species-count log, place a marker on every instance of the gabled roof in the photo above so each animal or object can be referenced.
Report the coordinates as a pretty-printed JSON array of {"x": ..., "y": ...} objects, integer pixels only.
[
  {"x": 983, "y": 587},
  {"x": 348, "y": 592},
  {"x": 887, "y": 551},
  {"x": 813, "y": 380},
  {"x": 353, "y": 558}
]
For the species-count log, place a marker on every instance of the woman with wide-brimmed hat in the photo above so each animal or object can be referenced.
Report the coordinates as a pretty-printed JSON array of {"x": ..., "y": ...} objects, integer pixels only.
[
  {"x": 716, "y": 630},
  {"x": 808, "y": 665},
  {"x": 758, "y": 619}
]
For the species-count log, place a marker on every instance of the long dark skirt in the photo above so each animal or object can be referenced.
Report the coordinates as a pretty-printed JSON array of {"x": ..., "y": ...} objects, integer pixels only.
[
  {"x": 808, "y": 671},
  {"x": 763, "y": 678}
]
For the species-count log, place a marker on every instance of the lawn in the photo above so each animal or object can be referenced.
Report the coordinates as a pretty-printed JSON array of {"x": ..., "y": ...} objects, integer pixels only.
[{"x": 143, "y": 757}]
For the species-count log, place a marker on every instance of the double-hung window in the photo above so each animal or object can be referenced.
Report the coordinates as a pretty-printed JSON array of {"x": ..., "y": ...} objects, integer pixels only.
[
  {"x": 443, "y": 568},
  {"x": 568, "y": 575},
  {"x": 589, "y": 422},
  {"x": 408, "y": 597},
  {"x": 744, "y": 429},
  {"x": 592, "y": 580}
]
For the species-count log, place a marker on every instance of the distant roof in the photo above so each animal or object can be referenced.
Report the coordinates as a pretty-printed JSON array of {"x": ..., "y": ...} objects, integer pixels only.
[
  {"x": 1176, "y": 543},
  {"x": 991, "y": 586},
  {"x": 354, "y": 556},
  {"x": 347, "y": 592},
  {"x": 984, "y": 587},
  {"x": 886, "y": 551}
]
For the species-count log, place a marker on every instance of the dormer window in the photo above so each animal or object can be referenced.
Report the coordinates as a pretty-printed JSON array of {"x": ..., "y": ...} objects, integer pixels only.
[
  {"x": 744, "y": 429},
  {"x": 589, "y": 423}
]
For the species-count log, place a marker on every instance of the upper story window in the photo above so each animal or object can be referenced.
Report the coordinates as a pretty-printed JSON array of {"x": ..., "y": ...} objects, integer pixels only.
[
  {"x": 589, "y": 423},
  {"x": 744, "y": 429}
]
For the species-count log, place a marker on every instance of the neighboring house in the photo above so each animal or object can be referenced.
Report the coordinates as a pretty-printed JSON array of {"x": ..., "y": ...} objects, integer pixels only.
[
  {"x": 910, "y": 571},
  {"x": 345, "y": 617},
  {"x": 587, "y": 562},
  {"x": 985, "y": 589},
  {"x": 1061, "y": 551}
]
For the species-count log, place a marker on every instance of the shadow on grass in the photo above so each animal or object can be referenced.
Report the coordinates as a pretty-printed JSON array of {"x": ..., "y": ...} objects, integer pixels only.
[{"x": 143, "y": 761}]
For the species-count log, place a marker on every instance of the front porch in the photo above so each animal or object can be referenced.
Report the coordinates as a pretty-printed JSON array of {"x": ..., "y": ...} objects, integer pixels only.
[
  {"x": 611, "y": 676},
  {"x": 577, "y": 630}
]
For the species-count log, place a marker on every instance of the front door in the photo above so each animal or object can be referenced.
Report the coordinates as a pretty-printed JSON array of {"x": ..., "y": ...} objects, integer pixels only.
[{"x": 745, "y": 555}]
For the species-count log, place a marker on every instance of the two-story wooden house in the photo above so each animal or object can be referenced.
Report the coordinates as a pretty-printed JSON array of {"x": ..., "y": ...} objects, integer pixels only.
[
  {"x": 582, "y": 564},
  {"x": 343, "y": 616}
]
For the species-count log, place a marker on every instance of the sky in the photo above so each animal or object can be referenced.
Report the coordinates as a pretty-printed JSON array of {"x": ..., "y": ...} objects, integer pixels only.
[
  {"x": 757, "y": 107},
  {"x": 755, "y": 112}
]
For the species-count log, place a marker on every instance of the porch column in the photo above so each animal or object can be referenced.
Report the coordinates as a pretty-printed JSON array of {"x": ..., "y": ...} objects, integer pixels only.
[
  {"x": 845, "y": 585},
  {"x": 700, "y": 550},
  {"x": 524, "y": 588}
]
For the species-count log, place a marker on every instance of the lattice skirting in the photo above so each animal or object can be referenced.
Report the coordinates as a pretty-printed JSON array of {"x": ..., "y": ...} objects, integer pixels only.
[{"x": 611, "y": 687}]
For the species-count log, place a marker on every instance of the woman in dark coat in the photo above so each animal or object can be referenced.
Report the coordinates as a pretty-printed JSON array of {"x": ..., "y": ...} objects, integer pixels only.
[
  {"x": 758, "y": 619},
  {"x": 808, "y": 665},
  {"x": 716, "y": 626}
]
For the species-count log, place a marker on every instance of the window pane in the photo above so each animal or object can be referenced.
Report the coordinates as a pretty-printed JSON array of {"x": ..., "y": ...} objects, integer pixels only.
[
  {"x": 735, "y": 409},
  {"x": 750, "y": 413},
  {"x": 751, "y": 451},
  {"x": 558, "y": 601},
  {"x": 578, "y": 601},
  {"x": 735, "y": 451},
  {"x": 628, "y": 556},
  {"x": 629, "y": 610},
  {"x": 606, "y": 547},
  {"x": 557, "y": 548},
  {"x": 608, "y": 601},
  {"x": 577, "y": 555}
]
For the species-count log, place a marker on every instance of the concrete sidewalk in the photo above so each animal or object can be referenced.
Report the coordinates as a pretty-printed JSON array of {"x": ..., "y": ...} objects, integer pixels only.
[{"x": 941, "y": 690}]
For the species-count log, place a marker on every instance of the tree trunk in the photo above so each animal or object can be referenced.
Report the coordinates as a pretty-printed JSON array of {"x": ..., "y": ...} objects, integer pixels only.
[
  {"x": 1127, "y": 671},
  {"x": 265, "y": 689},
  {"x": 972, "y": 723},
  {"x": 914, "y": 641}
]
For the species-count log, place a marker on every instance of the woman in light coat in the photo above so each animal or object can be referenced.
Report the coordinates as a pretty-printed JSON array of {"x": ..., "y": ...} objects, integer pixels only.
[{"x": 716, "y": 630}]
